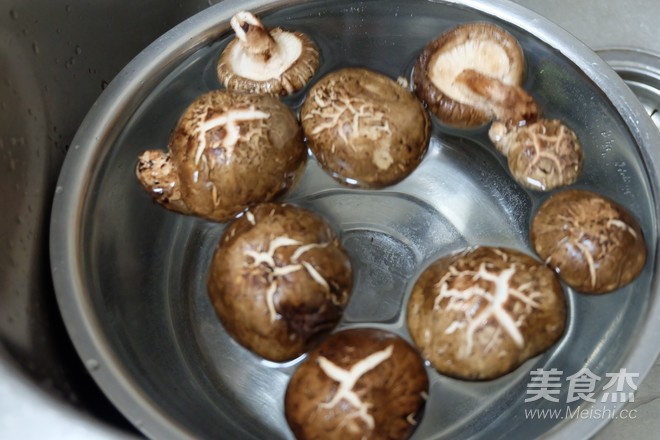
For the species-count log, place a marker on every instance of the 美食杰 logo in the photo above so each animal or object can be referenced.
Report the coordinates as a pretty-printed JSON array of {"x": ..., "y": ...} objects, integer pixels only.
[{"x": 582, "y": 386}]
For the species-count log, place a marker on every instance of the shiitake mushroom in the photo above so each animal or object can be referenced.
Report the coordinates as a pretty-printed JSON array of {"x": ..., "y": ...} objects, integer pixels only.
[
  {"x": 592, "y": 242},
  {"x": 364, "y": 128},
  {"x": 542, "y": 154},
  {"x": 228, "y": 151},
  {"x": 258, "y": 60},
  {"x": 481, "y": 47},
  {"x": 472, "y": 74},
  {"x": 481, "y": 313},
  {"x": 279, "y": 280},
  {"x": 357, "y": 384}
]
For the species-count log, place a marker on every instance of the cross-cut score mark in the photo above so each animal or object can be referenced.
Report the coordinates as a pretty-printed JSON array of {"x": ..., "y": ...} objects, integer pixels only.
[
  {"x": 622, "y": 225},
  {"x": 347, "y": 380},
  {"x": 459, "y": 300},
  {"x": 275, "y": 272},
  {"x": 230, "y": 122},
  {"x": 353, "y": 115}
]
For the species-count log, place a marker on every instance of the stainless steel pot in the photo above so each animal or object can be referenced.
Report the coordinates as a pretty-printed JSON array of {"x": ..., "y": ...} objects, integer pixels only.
[{"x": 130, "y": 277}]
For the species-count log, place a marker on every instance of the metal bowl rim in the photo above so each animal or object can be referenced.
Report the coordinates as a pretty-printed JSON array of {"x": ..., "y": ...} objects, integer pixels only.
[{"x": 182, "y": 40}]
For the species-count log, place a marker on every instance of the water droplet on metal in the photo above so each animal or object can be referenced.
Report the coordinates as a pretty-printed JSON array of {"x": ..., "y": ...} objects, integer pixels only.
[
  {"x": 78, "y": 50},
  {"x": 13, "y": 14},
  {"x": 92, "y": 364},
  {"x": 104, "y": 84},
  {"x": 35, "y": 48},
  {"x": 59, "y": 190}
]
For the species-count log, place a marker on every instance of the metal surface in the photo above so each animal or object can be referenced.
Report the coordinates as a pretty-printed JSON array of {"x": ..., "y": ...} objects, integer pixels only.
[
  {"x": 151, "y": 341},
  {"x": 55, "y": 59},
  {"x": 641, "y": 72},
  {"x": 631, "y": 27}
]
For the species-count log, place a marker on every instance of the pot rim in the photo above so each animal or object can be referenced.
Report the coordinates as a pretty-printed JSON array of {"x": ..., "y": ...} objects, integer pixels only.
[{"x": 146, "y": 70}]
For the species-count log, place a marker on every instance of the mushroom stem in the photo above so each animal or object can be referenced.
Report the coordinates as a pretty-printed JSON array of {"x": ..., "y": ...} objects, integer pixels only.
[
  {"x": 159, "y": 177},
  {"x": 256, "y": 40},
  {"x": 508, "y": 103}
]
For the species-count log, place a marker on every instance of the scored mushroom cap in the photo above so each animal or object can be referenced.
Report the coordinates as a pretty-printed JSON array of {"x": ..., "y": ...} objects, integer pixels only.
[
  {"x": 223, "y": 140},
  {"x": 543, "y": 155},
  {"x": 592, "y": 242},
  {"x": 279, "y": 279},
  {"x": 357, "y": 384},
  {"x": 481, "y": 313},
  {"x": 482, "y": 47},
  {"x": 276, "y": 62},
  {"x": 364, "y": 128}
]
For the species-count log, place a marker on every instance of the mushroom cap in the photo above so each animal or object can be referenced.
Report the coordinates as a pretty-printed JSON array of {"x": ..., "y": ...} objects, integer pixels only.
[
  {"x": 592, "y": 242},
  {"x": 543, "y": 155},
  {"x": 357, "y": 384},
  {"x": 223, "y": 140},
  {"x": 282, "y": 68},
  {"x": 482, "y": 47},
  {"x": 481, "y": 313},
  {"x": 364, "y": 128},
  {"x": 279, "y": 279}
]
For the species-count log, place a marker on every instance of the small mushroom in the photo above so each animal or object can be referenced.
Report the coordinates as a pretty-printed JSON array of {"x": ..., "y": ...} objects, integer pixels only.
[
  {"x": 364, "y": 128},
  {"x": 228, "y": 151},
  {"x": 542, "y": 154},
  {"x": 481, "y": 313},
  {"x": 357, "y": 384},
  {"x": 279, "y": 279},
  {"x": 277, "y": 62},
  {"x": 592, "y": 242},
  {"x": 483, "y": 48}
]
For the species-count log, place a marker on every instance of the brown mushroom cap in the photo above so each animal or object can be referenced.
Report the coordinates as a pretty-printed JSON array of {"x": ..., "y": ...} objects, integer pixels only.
[
  {"x": 357, "y": 384},
  {"x": 482, "y": 47},
  {"x": 592, "y": 242},
  {"x": 223, "y": 140},
  {"x": 276, "y": 61},
  {"x": 279, "y": 279},
  {"x": 364, "y": 128},
  {"x": 482, "y": 313},
  {"x": 543, "y": 155}
]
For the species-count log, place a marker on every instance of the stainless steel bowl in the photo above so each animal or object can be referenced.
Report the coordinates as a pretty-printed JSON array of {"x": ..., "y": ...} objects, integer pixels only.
[{"x": 130, "y": 277}]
